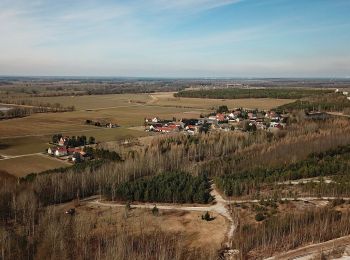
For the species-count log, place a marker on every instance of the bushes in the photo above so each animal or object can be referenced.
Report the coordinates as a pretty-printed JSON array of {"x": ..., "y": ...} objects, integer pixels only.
[
  {"x": 167, "y": 187},
  {"x": 259, "y": 216}
]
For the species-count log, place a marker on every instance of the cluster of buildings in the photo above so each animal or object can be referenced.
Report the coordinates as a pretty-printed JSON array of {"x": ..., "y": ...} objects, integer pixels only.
[
  {"x": 74, "y": 154},
  {"x": 101, "y": 124},
  {"x": 236, "y": 120},
  {"x": 345, "y": 93}
]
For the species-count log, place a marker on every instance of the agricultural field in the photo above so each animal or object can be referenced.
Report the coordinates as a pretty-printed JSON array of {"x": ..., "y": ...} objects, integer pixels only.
[
  {"x": 31, "y": 134},
  {"x": 168, "y": 99},
  {"x": 22, "y": 166}
]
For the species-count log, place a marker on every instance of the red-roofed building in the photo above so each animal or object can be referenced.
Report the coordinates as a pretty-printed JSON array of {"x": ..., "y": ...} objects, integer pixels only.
[
  {"x": 61, "y": 151},
  {"x": 220, "y": 117}
]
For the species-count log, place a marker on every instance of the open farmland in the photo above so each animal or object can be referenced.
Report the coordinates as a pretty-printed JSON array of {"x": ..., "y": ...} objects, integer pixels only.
[
  {"x": 22, "y": 166},
  {"x": 32, "y": 134},
  {"x": 95, "y": 101},
  {"x": 168, "y": 99}
]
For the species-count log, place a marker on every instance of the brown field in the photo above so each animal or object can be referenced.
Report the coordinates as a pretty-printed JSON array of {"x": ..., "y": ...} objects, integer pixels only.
[
  {"x": 168, "y": 99},
  {"x": 22, "y": 166},
  {"x": 198, "y": 233},
  {"x": 96, "y": 101}
]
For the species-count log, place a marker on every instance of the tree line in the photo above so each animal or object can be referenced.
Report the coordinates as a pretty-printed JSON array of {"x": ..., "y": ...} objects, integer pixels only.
[
  {"x": 23, "y": 111},
  {"x": 74, "y": 141},
  {"x": 166, "y": 187},
  {"x": 289, "y": 231},
  {"x": 328, "y": 102},
  {"x": 236, "y": 93},
  {"x": 245, "y": 182}
]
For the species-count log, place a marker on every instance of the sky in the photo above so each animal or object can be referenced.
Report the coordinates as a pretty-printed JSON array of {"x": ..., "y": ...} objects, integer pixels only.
[{"x": 175, "y": 38}]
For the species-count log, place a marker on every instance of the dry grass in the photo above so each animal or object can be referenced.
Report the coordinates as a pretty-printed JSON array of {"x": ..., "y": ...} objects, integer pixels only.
[
  {"x": 23, "y": 166},
  {"x": 167, "y": 99},
  {"x": 95, "y": 101},
  {"x": 198, "y": 233}
]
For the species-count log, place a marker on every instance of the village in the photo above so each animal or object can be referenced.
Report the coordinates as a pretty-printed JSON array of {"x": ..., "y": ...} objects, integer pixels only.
[
  {"x": 239, "y": 119},
  {"x": 72, "y": 149}
]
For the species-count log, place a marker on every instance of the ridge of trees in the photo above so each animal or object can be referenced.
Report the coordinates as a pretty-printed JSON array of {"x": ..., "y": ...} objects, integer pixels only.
[
  {"x": 235, "y": 93},
  {"x": 332, "y": 162},
  {"x": 167, "y": 187},
  {"x": 328, "y": 102},
  {"x": 287, "y": 232}
]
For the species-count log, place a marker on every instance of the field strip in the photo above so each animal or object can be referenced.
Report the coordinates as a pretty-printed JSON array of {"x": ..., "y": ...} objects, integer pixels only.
[
  {"x": 106, "y": 108},
  {"x": 7, "y": 104},
  {"x": 57, "y": 131},
  {"x": 54, "y": 158},
  {"x": 8, "y": 157}
]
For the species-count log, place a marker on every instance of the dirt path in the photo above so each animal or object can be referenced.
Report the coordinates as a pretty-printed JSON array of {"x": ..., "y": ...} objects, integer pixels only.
[
  {"x": 311, "y": 250},
  {"x": 8, "y": 157},
  {"x": 294, "y": 199},
  {"x": 62, "y": 132}
]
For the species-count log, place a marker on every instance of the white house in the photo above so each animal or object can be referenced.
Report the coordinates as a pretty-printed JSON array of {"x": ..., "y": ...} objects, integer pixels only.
[
  {"x": 155, "y": 120},
  {"x": 61, "y": 152}
]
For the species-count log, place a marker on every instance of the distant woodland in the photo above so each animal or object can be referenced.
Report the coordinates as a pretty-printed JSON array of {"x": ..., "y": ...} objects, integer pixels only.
[
  {"x": 22, "y": 108},
  {"x": 235, "y": 93},
  {"x": 328, "y": 102}
]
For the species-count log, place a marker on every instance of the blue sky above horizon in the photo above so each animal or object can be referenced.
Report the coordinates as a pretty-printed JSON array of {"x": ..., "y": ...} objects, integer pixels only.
[{"x": 182, "y": 38}]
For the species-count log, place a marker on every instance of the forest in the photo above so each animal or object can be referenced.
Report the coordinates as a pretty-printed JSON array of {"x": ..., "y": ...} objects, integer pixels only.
[
  {"x": 288, "y": 231},
  {"x": 235, "y": 93},
  {"x": 247, "y": 182},
  {"x": 167, "y": 187},
  {"x": 329, "y": 102}
]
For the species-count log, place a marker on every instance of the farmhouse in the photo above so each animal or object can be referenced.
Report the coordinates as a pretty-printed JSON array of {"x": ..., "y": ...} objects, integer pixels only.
[
  {"x": 63, "y": 141},
  {"x": 61, "y": 151}
]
